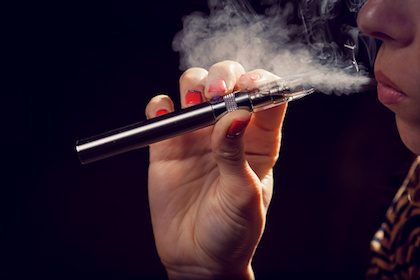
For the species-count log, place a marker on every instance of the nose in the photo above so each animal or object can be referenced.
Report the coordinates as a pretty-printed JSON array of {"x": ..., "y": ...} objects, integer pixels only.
[{"x": 387, "y": 20}]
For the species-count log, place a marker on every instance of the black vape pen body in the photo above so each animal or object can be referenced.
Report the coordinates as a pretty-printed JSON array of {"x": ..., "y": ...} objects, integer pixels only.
[{"x": 144, "y": 133}]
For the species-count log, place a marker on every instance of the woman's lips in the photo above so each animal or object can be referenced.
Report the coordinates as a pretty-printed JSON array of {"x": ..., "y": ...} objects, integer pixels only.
[{"x": 387, "y": 93}]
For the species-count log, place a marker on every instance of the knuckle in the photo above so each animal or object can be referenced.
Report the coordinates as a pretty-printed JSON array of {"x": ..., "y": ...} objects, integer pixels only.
[
  {"x": 194, "y": 74},
  {"x": 228, "y": 65}
]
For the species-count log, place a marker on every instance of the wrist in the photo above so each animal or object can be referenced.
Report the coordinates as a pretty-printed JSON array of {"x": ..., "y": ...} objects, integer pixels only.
[{"x": 200, "y": 273}]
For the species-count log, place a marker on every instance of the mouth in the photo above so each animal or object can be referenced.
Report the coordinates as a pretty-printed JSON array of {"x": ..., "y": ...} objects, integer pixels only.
[{"x": 388, "y": 93}]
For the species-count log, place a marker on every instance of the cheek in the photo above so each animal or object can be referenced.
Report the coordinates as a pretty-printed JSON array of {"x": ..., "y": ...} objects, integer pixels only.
[
  {"x": 414, "y": 52},
  {"x": 415, "y": 69}
]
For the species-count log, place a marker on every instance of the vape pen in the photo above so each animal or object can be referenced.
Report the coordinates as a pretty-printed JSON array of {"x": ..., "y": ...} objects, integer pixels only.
[{"x": 144, "y": 133}]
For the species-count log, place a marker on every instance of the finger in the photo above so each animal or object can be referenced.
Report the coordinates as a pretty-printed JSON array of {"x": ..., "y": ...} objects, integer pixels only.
[
  {"x": 263, "y": 135},
  {"x": 228, "y": 151},
  {"x": 159, "y": 105},
  {"x": 222, "y": 78},
  {"x": 191, "y": 86},
  {"x": 271, "y": 119},
  {"x": 169, "y": 148}
]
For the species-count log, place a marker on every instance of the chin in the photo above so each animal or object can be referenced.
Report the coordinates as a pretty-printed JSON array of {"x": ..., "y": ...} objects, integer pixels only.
[{"x": 410, "y": 135}]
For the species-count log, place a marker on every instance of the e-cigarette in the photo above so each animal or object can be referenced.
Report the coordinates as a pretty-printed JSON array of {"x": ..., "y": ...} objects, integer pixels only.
[{"x": 147, "y": 132}]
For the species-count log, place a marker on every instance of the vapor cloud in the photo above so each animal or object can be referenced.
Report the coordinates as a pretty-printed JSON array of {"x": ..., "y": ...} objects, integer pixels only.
[{"x": 289, "y": 39}]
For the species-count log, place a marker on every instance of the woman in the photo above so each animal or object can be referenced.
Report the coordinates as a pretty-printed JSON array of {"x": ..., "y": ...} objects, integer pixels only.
[{"x": 209, "y": 209}]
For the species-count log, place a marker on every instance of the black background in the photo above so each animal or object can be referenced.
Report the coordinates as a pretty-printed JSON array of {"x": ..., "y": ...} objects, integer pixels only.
[{"x": 72, "y": 70}]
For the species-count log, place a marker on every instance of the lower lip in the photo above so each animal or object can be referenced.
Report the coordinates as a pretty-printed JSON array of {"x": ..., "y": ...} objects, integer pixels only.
[{"x": 388, "y": 95}]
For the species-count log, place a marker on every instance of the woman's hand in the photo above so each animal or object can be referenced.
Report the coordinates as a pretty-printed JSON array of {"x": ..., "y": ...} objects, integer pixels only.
[{"x": 209, "y": 190}]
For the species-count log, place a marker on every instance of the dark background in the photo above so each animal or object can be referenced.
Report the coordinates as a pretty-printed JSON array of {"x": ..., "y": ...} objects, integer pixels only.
[{"x": 72, "y": 70}]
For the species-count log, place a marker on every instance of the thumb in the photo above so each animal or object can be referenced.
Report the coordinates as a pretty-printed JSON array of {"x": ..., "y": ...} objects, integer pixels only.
[{"x": 228, "y": 151}]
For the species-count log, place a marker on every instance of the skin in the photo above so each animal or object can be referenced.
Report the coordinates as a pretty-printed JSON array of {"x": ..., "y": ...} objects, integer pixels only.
[
  {"x": 208, "y": 209},
  {"x": 209, "y": 193},
  {"x": 397, "y": 25}
]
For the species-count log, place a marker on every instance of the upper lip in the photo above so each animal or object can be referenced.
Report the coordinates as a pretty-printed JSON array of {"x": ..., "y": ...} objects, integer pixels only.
[{"x": 383, "y": 79}]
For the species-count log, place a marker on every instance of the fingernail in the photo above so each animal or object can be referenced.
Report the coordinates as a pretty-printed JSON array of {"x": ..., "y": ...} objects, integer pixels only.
[
  {"x": 218, "y": 86},
  {"x": 193, "y": 97},
  {"x": 161, "y": 112},
  {"x": 251, "y": 76},
  {"x": 237, "y": 128}
]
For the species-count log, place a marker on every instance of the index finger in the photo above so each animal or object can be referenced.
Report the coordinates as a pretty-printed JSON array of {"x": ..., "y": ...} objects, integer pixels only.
[{"x": 191, "y": 86}]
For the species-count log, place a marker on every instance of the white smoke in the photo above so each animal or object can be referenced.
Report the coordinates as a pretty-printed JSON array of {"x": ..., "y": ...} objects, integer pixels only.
[{"x": 233, "y": 30}]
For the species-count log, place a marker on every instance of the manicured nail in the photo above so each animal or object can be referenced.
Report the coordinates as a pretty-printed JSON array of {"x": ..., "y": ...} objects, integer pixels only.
[
  {"x": 237, "y": 128},
  {"x": 251, "y": 76},
  {"x": 218, "y": 86},
  {"x": 161, "y": 112},
  {"x": 193, "y": 97}
]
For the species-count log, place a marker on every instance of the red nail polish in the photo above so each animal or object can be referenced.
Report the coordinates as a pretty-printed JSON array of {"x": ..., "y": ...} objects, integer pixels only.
[
  {"x": 251, "y": 76},
  {"x": 193, "y": 97},
  {"x": 237, "y": 128},
  {"x": 218, "y": 86},
  {"x": 161, "y": 112}
]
